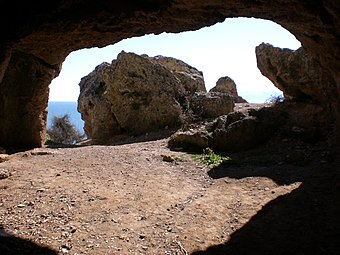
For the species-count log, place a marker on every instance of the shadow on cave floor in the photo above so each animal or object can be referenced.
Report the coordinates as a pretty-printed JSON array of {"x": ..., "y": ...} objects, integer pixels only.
[
  {"x": 11, "y": 245},
  {"x": 305, "y": 221}
]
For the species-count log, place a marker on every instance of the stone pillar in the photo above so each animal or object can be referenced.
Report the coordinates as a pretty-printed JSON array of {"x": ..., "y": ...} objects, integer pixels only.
[{"x": 23, "y": 101}]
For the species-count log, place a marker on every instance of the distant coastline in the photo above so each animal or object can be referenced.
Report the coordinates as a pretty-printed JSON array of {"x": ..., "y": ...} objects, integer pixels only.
[{"x": 62, "y": 108}]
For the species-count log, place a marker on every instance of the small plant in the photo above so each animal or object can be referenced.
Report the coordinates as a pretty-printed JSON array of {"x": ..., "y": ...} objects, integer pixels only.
[
  {"x": 210, "y": 158},
  {"x": 63, "y": 131}
]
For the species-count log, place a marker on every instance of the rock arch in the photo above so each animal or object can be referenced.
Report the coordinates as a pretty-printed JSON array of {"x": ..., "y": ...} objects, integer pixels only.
[{"x": 37, "y": 37}]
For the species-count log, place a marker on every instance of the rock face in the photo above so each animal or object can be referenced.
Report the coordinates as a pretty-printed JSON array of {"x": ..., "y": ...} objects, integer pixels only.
[
  {"x": 95, "y": 108},
  {"x": 227, "y": 85},
  {"x": 237, "y": 131},
  {"x": 48, "y": 31},
  {"x": 191, "y": 140},
  {"x": 233, "y": 132},
  {"x": 212, "y": 104},
  {"x": 135, "y": 95},
  {"x": 23, "y": 108},
  {"x": 191, "y": 79},
  {"x": 307, "y": 87},
  {"x": 297, "y": 74}
]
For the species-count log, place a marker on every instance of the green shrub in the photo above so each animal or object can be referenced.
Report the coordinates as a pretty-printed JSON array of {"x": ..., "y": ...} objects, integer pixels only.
[
  {"x": 210, "y": 158},
  {"x": 63, "y": 131}
]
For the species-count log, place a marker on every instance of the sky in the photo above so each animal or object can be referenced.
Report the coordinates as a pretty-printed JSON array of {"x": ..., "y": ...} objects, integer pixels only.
[{"x": 224, "y": 49}]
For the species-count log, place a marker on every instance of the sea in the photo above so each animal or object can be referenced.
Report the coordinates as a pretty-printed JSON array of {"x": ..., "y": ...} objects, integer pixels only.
[
  {"x": 60, "y": 109},
  {"x": 70, "y": 108}
]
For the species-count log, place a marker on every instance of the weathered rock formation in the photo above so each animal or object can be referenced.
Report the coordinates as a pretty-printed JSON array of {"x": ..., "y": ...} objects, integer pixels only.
[
  {"x": 46, "y": 32},
  {"x": 190, "y": 140},
  {"x": 227, "y": 85},
  {"x": 99, "y": 122},
  {"x": 296, "y": 73},
  {"x": 135, "y": 95},
  {"x": 23, "y": 120},
  {"x": 191, "y": 79},
  {"x": 211, "y": 105},
  {"x": 307, "y": 88},
  {"x": 235, "y": 131},
  {"x": 139, "y": 94}
]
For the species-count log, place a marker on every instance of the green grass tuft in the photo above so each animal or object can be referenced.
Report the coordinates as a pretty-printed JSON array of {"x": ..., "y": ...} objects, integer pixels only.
[{"x": 211, "y": 159}]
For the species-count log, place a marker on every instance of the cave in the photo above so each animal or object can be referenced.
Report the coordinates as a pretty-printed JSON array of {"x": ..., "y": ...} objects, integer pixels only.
[{"x": 38, "y": 36}]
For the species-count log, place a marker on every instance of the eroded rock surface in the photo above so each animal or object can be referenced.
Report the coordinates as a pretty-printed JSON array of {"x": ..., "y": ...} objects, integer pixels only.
[
  {"x": 23, "y": 108},
  {"x": 190, "y": 139},
  {"x": 135, "y": 95},
  {"x": 308, "y": 89},
  {"x": 236, "y": 131},
  {"x": 99, "y": 122},
  {"x": 212, "y": 104},
  {"x": 139, "y": 94},
  {"x": 296, "y": 73},
  {"x": 191, "y": 79},
  {"x": 227, "y": 85}
]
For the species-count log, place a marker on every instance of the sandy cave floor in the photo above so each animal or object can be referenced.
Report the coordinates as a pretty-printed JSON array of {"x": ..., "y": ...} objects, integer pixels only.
[{"x": 125, "y": 199}]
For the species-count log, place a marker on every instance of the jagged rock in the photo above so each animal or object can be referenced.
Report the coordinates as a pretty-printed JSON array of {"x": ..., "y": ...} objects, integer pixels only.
[
  {"x": 227, "y": 85},
  {"x": 211, "y": 105},
  {"x": 143, "y": 94},
  {"x": 135, "y": 95},
  {"x": 191, "y": 79},
  {"x": 296, "y": 73},
  {"x": 99, "y": 121},
  {"x": 191, "y": 139},
  {"x": 239, "y": 131},
  {"x": 240, "y": 135},
  {"x": 308, "y": 88},
  {"x": 235, "y": 131}
]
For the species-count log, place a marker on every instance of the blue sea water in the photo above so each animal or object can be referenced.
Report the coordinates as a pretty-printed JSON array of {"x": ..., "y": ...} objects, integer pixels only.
[
  {"x": 62, "y": 108},
  {"x": 259, "y": 97}
]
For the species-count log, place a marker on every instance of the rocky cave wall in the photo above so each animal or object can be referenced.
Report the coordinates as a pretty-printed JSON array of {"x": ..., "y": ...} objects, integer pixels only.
[{"x": 40, "y": 34}]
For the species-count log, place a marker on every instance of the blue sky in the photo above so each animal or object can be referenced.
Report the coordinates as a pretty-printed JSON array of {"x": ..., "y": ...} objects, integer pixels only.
[{"x": 224, "y": 49}]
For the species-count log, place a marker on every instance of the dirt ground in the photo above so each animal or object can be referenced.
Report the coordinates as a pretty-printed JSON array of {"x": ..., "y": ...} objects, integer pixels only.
[{"x": 282, "y": 198}]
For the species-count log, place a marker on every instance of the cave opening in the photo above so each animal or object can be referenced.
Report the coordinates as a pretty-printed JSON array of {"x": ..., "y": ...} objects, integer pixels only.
[{"x": 224, "y": 49}]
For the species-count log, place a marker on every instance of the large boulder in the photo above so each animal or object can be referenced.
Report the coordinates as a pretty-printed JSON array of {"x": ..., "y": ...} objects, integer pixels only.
[
  {"x": 143, "y": 94},
  {"x": 233, "y": 132},
  {"x": 211, "y": 105},
  {"x": 99, "y": 122},
  {"x": 238, "y": 131},
  {"x": 308, "y": 89},
  {"x": 227, "y": 85},
  {"x": 190, "y": 140},
  {"x": 296, "y": 73},
  {"x": 135, "y": 95}
]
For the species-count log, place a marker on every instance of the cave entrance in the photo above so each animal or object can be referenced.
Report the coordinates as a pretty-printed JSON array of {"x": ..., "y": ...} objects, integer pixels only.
[{"x": 224, "y": 49}]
